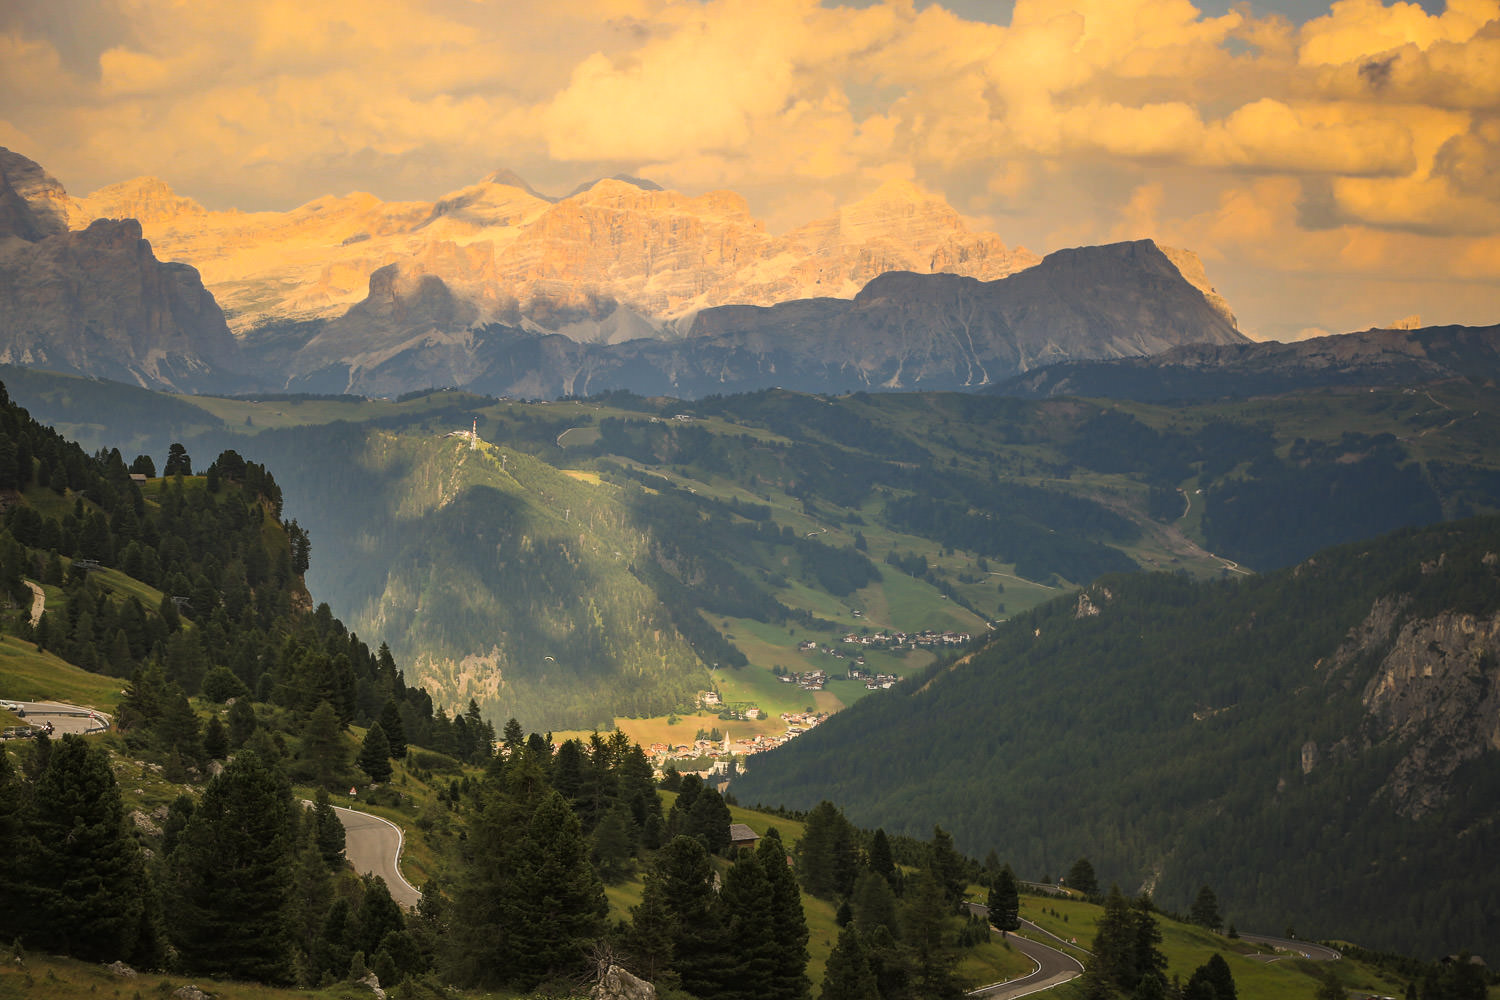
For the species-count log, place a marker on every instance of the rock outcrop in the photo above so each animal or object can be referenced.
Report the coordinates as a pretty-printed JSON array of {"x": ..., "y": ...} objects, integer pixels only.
[
  {"x": 96, "y": 301},
  {"x": 1437, "y": 690}
]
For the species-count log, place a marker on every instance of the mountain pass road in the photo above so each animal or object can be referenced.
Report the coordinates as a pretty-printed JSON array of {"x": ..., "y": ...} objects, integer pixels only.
[
  {"x": 1292, "y": 949},
  {"x": 373, "y": 847},
  {"x": 1053, "y": 967}
]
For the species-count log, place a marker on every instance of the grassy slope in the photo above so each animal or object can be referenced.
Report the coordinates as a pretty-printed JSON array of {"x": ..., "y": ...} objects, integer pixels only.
[{"x": 1188, "y": 947}]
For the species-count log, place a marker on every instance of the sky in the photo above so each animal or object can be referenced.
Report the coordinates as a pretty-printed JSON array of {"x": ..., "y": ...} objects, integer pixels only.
[{"x": 1336, "y": 166}]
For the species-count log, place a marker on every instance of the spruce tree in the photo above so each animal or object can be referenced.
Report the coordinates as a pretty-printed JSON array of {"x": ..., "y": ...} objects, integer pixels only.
[
  {"x": 748, "y": 910},
  {"x": 848, "y": 975},
  {"x": 648, "y": 938},
  {"x": 924, "y": 923},
  {"x": 1005, "y": 900},
  {"x": 328, "y": 831},
  {"x": 557, "y": 901},
  {"x": 874, "y": 903},
  {"x": 699, "y": 949},
  {"x": 215, "y": 739},
  {"x": 375, "y": 755},
  {"x": 789, "y": 980},
  {"x": 13, "y": 794},
  {"x": 242, "y": 722},
  {"x": 84, "y": 886},
  {"x": 229, "y": 887},
  {"x": 1081, "y": 877},
  {"x": 324, "y": 752},
  {"x": 1205, "y": 910},
  {"x": 395, "y": 731}
]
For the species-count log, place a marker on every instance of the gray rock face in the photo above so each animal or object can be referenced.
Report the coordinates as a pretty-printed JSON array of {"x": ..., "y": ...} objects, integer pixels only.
[
  {"x": 97, "y": 301},
  {"x": 618, "y": 984}
]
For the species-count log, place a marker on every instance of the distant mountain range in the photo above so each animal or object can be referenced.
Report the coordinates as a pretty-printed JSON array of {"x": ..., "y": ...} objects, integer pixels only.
[{"x": 619, "y": 285}]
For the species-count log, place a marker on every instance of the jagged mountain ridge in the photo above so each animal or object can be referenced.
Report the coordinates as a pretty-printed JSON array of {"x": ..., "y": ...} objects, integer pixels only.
[
  {"x": 618, "y": 245},
  {"x": 901, "y": 331},
  {"x": 97, "y": 301}
]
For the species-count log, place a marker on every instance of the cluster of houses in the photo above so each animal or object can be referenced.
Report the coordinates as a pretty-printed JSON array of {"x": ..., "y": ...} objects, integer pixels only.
[
  {"x": 873, "y": 681},
  {"x": 739, "y": 710},
  {"x": 721, "y": 752},
  {"x": 908, "y": 640},
  {"x": 812, "y": 680}
]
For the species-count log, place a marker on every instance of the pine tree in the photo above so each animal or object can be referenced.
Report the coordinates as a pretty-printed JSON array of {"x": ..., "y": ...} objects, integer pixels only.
[
  {"x": 395, "y": 732},
  {"x": 1005, "y": 900},
  {"x": 324, "y": 750},
  {"x": 215, "y": 739},
  {"x": 328, "y": 831},
  {"x": 827, "y": 857},
  {"x": 84, "y": 887},
  {"x": 229, "y": 887},
  {"x": 613, "y": 844},
  {"x": 241, "y": 722},
  {"x": 709, "y": 821},
  {"x": 1205, "y": 910},
  {"x": 375, "y": 755},
  {"x": 13, "y": 795},
  {"x": 1218, "y": 973},
  {"x": 924, "y": 921},
  {"x": 948, "y": 866},
  {"x": 748, "y": 907},
  {"x": 1081, "y": 877},
  {"x": 557, "y": 900},
  {"x": 699, "y": 951},
  {"x": 848, "y": 975},
  {"x": 881, "y": 862},
  {"x": 789, "y": 980},
  {"x": 874, "y": 903},
  {"x": 648, "y": 939}
]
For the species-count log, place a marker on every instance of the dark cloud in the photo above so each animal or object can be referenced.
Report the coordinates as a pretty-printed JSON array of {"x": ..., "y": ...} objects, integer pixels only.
[
  {"x": 1377, "y": 72},
  {"x": 80, "y": 30}
]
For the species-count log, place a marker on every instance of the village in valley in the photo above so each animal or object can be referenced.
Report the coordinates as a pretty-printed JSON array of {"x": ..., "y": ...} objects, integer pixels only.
[{"x": 725, "y": 755}]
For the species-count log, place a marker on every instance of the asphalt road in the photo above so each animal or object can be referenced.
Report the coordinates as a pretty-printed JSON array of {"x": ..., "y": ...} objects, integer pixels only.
[
  {"x": 1292, "y": 948},
  {"x": 1053, "y": 967},
  {"x": 373, "y": 847},
  {"x": 64, "y": 718}
]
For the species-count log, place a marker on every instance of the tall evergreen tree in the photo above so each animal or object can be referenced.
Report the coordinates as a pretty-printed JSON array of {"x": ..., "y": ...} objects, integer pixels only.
[
  {"x": 1081, "y": 877},
  {"x": 748, "y": 904},
  {"x": 924, "y": 922},
  {"x": 848, "y": 975},
  {"x": 827, "y": 856},
  {"x": 395, "y": 732},
  {"x": 325, "y": 753},
  {"x": 557, "y": 901},
  {"x": 698, "y": 944},
  {"x": 13, "y": 794},
  {"x": 1005, "y": 900},
  {"x": 1205, "y": 910},
  {"x": 948, "y": 866},
  {"x": 648, "y": 939},
  {"x": 789, "y": 979},
  {"x": 83, "y": 878},
  {"x": 328, "y": 831},
  {"x": 375, "y": 755},
  {"x": 229, "y": 888}
]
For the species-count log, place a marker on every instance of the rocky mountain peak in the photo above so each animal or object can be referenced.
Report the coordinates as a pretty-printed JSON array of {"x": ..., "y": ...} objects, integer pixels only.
[
  {"x": 1191, "y": 268},
  {"x": 147, "y": 199},
  {"x": 45, "y": 202}
]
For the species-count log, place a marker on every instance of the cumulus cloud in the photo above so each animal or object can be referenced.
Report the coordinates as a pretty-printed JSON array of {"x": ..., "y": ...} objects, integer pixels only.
[{"x": 1363, "y": 140}]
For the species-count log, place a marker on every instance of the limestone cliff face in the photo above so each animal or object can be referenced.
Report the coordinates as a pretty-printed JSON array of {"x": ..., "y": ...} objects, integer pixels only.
[
  {"x": 616, "y": 260},
  {"x": 96, "y": 300},
  {"x": 1437, "y": 690}
]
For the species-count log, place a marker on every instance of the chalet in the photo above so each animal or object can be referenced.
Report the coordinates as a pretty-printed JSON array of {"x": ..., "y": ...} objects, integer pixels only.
[{"x": 741, "y": 835}]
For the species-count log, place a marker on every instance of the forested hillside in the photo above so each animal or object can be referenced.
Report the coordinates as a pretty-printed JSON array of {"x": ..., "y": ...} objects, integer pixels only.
[
  {"x": 596, "y": 559},
  {"x": 1314, "y": 743}
]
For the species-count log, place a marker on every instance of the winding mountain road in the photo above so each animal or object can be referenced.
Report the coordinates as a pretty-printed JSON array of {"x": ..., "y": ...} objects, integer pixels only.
[
  {"x": 373, "y": 847},
  {"x": 1292, "y": 949},
  {"x": 1053, "y": 967}
]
